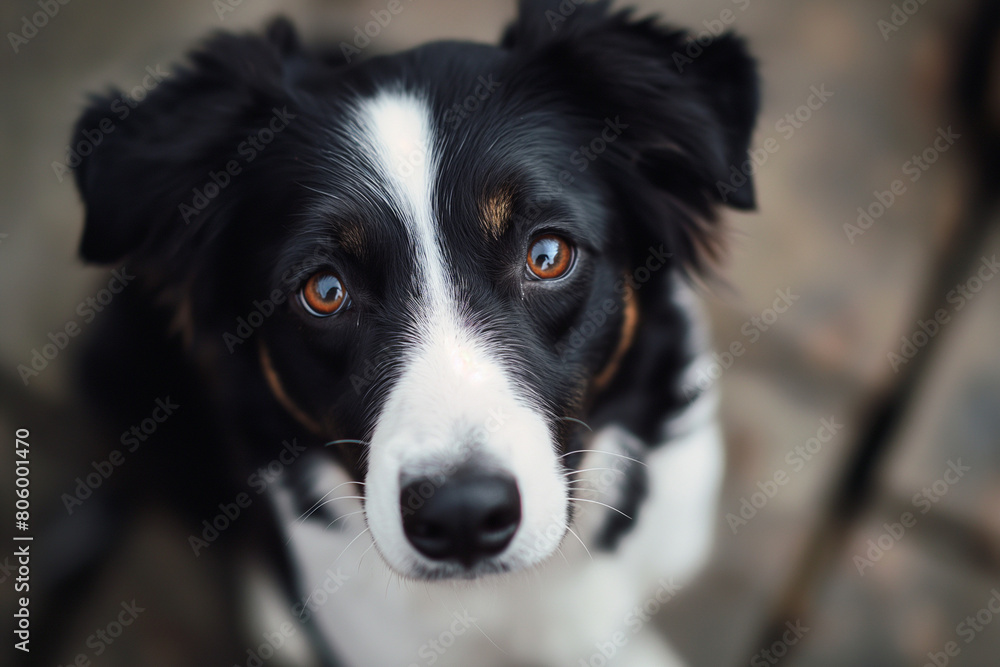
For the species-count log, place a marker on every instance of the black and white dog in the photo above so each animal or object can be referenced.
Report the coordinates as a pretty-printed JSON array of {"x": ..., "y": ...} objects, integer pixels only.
[{"x": 454, "y": 281}]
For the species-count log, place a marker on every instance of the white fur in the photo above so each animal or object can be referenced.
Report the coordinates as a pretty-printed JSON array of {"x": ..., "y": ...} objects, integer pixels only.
[
  {"x": 454, "y": 401},
  {"x": 552, "y": 615}
]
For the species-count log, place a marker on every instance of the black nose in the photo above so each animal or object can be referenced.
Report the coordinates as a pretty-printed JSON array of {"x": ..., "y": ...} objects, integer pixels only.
[{"x": 472, "y": 515}]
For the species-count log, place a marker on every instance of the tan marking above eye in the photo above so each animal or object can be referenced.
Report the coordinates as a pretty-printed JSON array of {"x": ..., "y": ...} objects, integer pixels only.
[
  {"x": 352, "y": 238},
  {"x": 549, "y": 256},
  {"x": 496, "y": 211}
]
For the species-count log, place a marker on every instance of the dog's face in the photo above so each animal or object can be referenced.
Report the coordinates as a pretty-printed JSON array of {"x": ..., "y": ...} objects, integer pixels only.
[{"x": 446, "y": 238}]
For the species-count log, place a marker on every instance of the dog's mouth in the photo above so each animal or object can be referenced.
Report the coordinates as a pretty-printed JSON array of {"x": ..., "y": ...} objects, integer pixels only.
[{"x": 450, "y": 572}]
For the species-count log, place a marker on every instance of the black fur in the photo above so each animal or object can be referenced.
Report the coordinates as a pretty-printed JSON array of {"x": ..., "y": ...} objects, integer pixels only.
[{"x": 275, "y": 223}]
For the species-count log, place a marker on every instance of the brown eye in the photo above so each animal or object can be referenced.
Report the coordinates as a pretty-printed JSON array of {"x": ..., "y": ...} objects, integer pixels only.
[
  {"x": 549, "y": 256},
  {"x": 324, "y": 294}
]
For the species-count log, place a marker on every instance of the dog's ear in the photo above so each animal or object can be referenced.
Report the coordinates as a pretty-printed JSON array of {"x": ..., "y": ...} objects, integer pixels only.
[
  {"x": 142, "y": 160},
  {"x": 683, "y": 108}
]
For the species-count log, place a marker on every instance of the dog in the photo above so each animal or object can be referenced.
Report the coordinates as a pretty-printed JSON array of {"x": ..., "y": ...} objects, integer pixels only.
[{"x": 455, "y": 283}]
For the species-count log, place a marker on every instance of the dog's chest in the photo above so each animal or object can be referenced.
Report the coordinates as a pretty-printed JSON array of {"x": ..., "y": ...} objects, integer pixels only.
[{"x": 373, "y": 618}]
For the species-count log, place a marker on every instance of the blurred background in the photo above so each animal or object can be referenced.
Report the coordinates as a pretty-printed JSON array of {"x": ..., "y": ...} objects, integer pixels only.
[{"x": 832, "y": 439}]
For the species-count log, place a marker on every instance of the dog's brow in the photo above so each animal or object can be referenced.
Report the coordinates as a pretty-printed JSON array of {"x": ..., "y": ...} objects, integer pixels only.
[
  {"x": 495, "y": 211},
  {"x": 352, "y": 239}
]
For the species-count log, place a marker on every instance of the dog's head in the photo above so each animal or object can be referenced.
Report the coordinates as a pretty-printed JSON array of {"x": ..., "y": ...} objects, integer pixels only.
[{"x": 432, "y": 258}]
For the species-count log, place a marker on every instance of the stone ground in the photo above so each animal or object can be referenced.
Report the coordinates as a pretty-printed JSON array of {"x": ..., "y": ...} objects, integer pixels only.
[{"x": 824, "y": 359}]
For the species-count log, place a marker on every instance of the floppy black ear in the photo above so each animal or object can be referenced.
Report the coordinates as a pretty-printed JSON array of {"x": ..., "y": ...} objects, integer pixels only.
[
  {"x": 689, "y": 106},
  {"x": 728, "y": 80},
  {"x": 142, "y": 160}
]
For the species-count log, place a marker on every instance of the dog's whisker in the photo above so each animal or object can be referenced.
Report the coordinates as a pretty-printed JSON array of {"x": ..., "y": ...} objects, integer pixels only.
[
  {"x": 581, "y": 542},
  {"x": 306, "y": 603},
  {"x": 490, "y": 639},
  {"x": 585, "y": 491},
  {"x": 597, "y": 502},
  {"x": 343, "y": 516},
  {"x": 601, "y": 451},
  {"x": 333, "y": 500},
  {"x": 362, "y": 559},
  {"x": 347, "y": 441},
  {"x": 577, "y": 472},
  {"x": 573, "y": 419},
  {"x": 319, "y": 503},
  {"x": 570, "y": 482},
  {"x": 356, "y": 538},
  {"x": 322, "y": 504},
  {"x": 589, "y": 489}
]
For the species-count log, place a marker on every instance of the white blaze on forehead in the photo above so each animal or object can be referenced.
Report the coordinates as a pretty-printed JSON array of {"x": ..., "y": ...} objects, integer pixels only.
[
  {"x": 452, "y": 394},
  {"x": 398, "y": 135}
]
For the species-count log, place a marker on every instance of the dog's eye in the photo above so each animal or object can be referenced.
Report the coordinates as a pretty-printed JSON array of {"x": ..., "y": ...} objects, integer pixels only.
[
  {"x": 324, "y": 294},
  {"x": 549, "y": 256}
]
